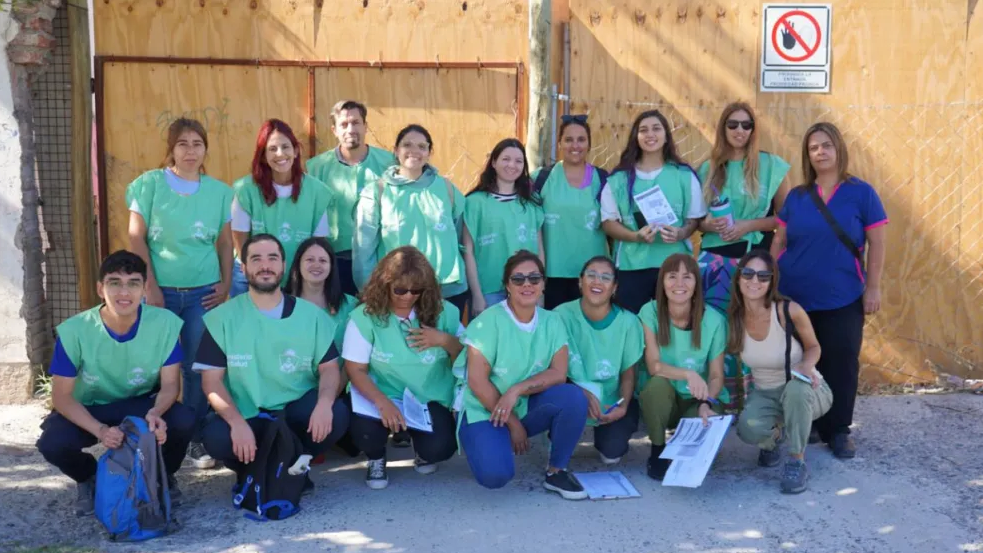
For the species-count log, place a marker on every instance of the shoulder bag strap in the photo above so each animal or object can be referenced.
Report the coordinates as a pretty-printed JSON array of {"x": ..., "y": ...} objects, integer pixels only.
[
  {"x": 788, "y": 340},
  {"x": 831, "y": 221}
]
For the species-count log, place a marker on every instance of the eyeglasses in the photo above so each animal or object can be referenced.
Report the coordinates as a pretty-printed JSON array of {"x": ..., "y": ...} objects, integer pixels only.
[
  {"x": 606, "y": 278},
  {"x": 520, "y": 279},
  {"x": 732, "y": 124},
  {"x": 117, "y": 286},
  {"x": 404, "y": 291},
  {"x": 763, "y": 276},
  {"x": 581, "y": 118}
]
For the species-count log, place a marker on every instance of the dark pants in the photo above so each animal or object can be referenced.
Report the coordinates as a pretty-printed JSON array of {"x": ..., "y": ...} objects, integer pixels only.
[
  {"x": 612, "y": 439},
  {"x": 636, "y": 288},
  {"x": 433, "y": 447},
  {"x": 840, "y": 333},
  {"x": 460, "y": 301},
  {"x": 560, "y": 290},
  {"x": 61, "y": 441},
  {"x": 734, "y": 251},
  {"x": 217, "y": 436},
  {"x": 343, "y": 264}
]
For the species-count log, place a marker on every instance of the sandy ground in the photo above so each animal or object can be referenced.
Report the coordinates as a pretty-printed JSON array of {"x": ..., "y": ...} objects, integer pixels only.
[{"x": 917, "y": 485}]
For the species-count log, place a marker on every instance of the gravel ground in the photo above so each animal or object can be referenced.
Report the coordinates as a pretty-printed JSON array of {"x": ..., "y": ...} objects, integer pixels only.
[{"x": 916, "y": 485}]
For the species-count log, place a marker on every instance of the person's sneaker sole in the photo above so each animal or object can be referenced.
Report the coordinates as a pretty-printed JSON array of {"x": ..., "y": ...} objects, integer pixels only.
[
  {"x": 377, "y": 484},
  {"x": 610, "y": 461},
  {"x": 566, "y": 494},
  {"x": 429, "y": 468},
  {"x": 844, "y": 453},
  {"x": 85, "y": 513},
  {"x": 795, "y": 490},
  {"x": 203, "y": 464}
]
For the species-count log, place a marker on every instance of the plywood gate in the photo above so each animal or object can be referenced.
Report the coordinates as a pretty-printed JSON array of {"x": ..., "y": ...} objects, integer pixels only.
[{"x": 906, "y": 91}]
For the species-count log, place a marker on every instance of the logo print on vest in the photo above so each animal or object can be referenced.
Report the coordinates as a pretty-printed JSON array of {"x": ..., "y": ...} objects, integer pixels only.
[
  {"x": 441, "y": 224},
  {"x": 590, "y": 220},
  {"x": 690, "y": 363},
  {"x": 89, "y": 378},
  {"x": 200, "y": 232},
  {"x": 155, "y": 232},
  {"x": 291, "y": 362},
  {"x": 552, "y": 218},
  {"x": 500, "y": 371},
  {"x": 428, "y": 357},
  {"x": 136, "y": 377},
  {"x": 521, "y": 233},
  {"x": 604, "y": 370},
  {"x": 285, "y": 233},
  {"x": 575, "y": 359}
]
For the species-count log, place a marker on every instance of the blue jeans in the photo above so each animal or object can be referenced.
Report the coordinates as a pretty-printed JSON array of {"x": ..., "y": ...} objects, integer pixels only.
[
  {"x": 494, "y": 297},
  {"x": 561, "y": 410},
  {"x": 239, "y": 284},
  {"x": 186, "y": 303}
]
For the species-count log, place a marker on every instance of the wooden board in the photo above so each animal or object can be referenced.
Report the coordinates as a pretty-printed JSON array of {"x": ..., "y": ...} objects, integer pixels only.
[
  {"x": 232, "y": 103},
  {"x": 466, "y": 110}
]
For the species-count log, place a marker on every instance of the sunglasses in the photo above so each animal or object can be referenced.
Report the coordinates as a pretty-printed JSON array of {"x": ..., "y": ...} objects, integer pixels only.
[
  {"x": 520, "y": 279},
  {"x": 763, "y": 276},
  {"x": 582, "y": 118},
  {"x": 746, "y": 125},
  {"x": 606, "y": 278},
  {"x": 404, "y": 291}
]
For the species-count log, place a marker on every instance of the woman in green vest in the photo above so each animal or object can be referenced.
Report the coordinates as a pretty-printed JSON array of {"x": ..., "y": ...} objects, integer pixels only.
[
  {"x": 571, "y": 192},
  {"x": 412, "y": 205},
  {"x": 606, "y": 342},
  {"x": 651, "y": 205},
  {"x": 517, "y": 385},
  {"x": 179, "y": 225},
  {"x": 278, "y": 197},
  {"x": 502, "y": 215},
  {"x": 401, "y": 342},
  {"x": 684, "y": 354},
  {"x": 743, "y": 187}
]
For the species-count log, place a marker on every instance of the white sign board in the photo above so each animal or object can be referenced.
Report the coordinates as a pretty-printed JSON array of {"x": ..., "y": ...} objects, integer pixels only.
[{"x": 795, "y": 52}]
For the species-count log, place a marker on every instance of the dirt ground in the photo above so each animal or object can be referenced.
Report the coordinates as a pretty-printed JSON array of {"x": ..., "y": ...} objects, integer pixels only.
[{"x": 916, "y": 486}]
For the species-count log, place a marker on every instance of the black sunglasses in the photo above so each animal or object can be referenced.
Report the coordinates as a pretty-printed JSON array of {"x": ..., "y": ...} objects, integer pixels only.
[
  {"x": 519, "y": 279},
  {"x": 732, "y": 124},
  {"x": 582, "y": 118},
  {"x": 763, "y": 276},
  {"x": 404, "y": 291}
]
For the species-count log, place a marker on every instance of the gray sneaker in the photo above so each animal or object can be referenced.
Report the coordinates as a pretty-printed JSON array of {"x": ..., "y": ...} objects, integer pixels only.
[
  {"x": 85, "y": 503},
  {"x": 769, "y": 458},
  {"x": 795, "y": 476},
  {"x": 376, "y": 476},
  {"x": 199, "y": 457}
]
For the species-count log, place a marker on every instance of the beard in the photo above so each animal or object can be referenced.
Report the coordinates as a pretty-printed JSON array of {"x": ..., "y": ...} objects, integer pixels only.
[
  {"x": 263, "y": 287},
  {"x": 351, "y": 142}
]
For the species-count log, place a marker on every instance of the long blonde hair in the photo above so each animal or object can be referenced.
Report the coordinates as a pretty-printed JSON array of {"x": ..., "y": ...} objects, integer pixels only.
[{"x": 720, "y": 154}]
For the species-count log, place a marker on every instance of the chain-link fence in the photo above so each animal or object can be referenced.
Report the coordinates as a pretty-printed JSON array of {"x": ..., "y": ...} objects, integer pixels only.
[{"x": 926, "y": 163}]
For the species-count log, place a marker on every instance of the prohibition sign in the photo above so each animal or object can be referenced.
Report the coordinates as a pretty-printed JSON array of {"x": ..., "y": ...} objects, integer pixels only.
[{"x": 783, "y": 21}]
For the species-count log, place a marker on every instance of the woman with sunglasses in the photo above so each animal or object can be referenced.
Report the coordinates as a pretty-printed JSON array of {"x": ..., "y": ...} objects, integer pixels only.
[
  {"x": 516, "y": 385},
  {"x": 789, "y": 393},
  {"x": 502, "y": 215},
  {"x": 403, "y": 336},
  {"x": 179, "y": 226},
  {"x": 651, "y": 175},
  {"x": 412, "y": 205},
  {"x": 606, "y": 342},
  {"x": 684, "y": 354},
  {"x": 277, "y": 198},
  {"x": 570, "y": 190},
  {"x": 743, "y": 186},
  {"x": 825, "y": 228}
]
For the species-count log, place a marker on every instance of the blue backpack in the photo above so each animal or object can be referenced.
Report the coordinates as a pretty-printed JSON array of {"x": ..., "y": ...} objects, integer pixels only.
[{"x": 132, "y": 498}]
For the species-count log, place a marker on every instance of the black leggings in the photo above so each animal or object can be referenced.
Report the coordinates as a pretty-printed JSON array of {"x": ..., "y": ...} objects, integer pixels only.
[
  {"x": 371, "y": 436},
  {"x": 841, "y": 334},
  {"x": 560, "y": 291},
  {"x": 636, "y": 288}
]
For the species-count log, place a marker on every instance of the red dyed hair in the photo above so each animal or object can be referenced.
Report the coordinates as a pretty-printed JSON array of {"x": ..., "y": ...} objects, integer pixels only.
[{"x": 263, "y": 173}]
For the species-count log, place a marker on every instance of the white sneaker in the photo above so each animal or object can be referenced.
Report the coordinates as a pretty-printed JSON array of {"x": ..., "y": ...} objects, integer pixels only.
[
  {"x": 609, "y": 461},
  {"x": 199, "y": 457},
  {"x": 424, "y": 467},
  {"x": 376, "y": 476}
]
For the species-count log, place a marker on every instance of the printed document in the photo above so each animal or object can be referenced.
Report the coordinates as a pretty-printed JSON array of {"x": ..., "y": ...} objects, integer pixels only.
[
  {"x": 655, "y": 207},
  {"x": 417, "y": 414},
  {"x": 606, "y": 485},
  {"x": 693, "y": 449}
]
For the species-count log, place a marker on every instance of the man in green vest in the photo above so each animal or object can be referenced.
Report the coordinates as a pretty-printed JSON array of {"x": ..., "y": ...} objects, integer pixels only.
[
  {"x": 268, "y": 352},
  {"x": 346, "y": 169},
  {"x": 118, "y": 359}
]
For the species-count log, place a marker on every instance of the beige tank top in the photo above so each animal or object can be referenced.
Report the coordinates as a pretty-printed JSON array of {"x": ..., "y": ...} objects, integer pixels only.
[{"x": 767, "y": 357}]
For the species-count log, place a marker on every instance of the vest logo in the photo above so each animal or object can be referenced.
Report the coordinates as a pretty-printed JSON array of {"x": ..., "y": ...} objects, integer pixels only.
[
  {"x": 603, "y": 370},
  {"x": 201, "y": 232},
  {"x": 575, "y": 359},
  {"x": 258, "y": 226},
  {"x": 690, "y": 364},
  {"x": 428, "y": 357},
  {"x": 290, "y": 362},
  {"x": 381, "y": 356},
  {"x": 500, "y": 371},
  {"x": 538, "y": 367},
  {"x": 238, "y": 360},
  {"x": 552, "y": 218},
  {"x": 89, "y": 378},
  {"x": 522, "y": 233},
  {"x": 590, "y": 220},
  {"x": 136, "y": 377},
  {"x": 488, "y": 239},
  {"x": 285, "y": 234},
  {"x": 155, "y": 232},
  {"x": 443, "y": 223}
]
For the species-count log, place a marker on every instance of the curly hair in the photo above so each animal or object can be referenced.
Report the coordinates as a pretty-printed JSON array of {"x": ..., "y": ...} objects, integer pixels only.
[{"x": 404, "y": 266}]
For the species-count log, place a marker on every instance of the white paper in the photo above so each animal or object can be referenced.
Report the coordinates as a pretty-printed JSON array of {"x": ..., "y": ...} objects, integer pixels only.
[
  {"x": 655, "y": 207},
  {"x": 689, "y": 472},
  {"x": 687, "y": 439},
  {"x": 416, "y": 414},
  {"x": 606, "y": 485}
]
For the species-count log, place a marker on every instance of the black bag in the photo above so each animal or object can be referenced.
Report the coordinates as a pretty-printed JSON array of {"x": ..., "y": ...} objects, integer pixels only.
[
  {"x": 264, "y": 488},
  {"x": 831, "y": 221}
]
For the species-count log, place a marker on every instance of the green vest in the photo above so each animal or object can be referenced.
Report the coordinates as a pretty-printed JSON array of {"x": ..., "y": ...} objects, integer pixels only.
[
  {"x": 598, "y": 357},
  {"x": 771, "y": 171},
  {"x": 680, "y": 352},
  {"x": 291, "y": 222},
  {"x": 340, "y": 319},
  {"x": 498, "y": 230},
  {"x": 182, "y": 229},
  {"x": 109, "y": 370},
  {"x": 675, "y": 183},
  {"x": 270, "y": 362},
  {"x": 346, "y": 182},
  {"x": 513, "y": 354},
  {"x": 572, "y": 216},
  {"x": 395, "y": 366}
]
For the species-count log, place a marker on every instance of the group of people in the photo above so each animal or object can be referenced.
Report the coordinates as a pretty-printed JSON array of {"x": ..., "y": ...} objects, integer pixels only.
[{"x": 296, "y": 290}]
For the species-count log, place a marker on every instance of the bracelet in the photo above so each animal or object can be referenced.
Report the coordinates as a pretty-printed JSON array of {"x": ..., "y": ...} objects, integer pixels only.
[{"x": 707, "y": 403}]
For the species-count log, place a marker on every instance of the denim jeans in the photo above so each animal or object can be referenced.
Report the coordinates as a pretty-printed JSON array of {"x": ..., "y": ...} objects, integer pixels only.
[
  {"x": 186, "y": 303},
  {"x": 239, "y": 284}
]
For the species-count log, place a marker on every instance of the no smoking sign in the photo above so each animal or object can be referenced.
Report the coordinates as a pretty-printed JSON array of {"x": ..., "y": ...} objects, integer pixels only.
[{"x": 795, "y": 50}]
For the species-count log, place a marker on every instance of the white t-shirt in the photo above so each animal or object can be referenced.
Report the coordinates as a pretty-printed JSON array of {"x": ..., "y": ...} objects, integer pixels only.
[
  {"x": 242, "y": 222},
  {"x": 697, "y": 207}
]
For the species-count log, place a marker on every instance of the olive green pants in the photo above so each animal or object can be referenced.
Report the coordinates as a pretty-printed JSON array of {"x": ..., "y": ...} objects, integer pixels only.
[
  {"x": 793, "y": 405},
  {"x": 662, "y": 407}
]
